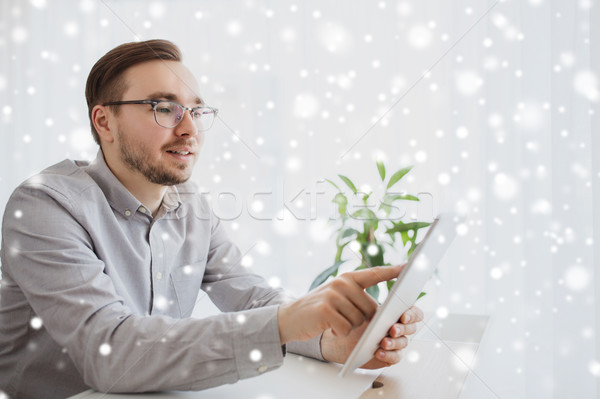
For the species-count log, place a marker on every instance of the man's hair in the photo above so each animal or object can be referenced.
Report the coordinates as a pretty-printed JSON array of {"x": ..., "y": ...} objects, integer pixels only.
[{"x": 106, "y": 80}]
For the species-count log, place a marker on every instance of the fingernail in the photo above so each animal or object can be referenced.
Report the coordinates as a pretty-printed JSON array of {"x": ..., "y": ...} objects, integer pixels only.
[
  {"x": 381, "y": 354},
  {"x": 407, "y": 318}
]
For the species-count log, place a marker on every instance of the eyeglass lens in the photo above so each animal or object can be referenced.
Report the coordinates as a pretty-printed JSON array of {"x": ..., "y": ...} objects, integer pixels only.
[{"x": 169, "y": 114}]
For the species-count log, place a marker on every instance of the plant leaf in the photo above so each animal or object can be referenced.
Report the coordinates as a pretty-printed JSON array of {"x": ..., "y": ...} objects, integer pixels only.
[
  {"x": 342, "y": 202},
  {"x": 324, "y": 275},
  {"x": 340, "y": 249},
  {"x": 421, "y": 295},
  {"x": 386, "y": 208},
  {"x": 364, "y": 214},
  {"x": 412, "y": 249},
  {"x": 391, "y": 198},
  {"x": 390, "y": 284},
  {"x": 398, "y": 175},
  {"x": 333, "y": 184},
  {"x": 400, "y": 227},
  {"x": 388, "y": 199},
  {"x": 405, "y": 237},
  {"x": 381, "y": 169},
  {"x": 348, "y": 183},
  {"x": 374, "y": 292},
  {"x": 348, "y": 232}
]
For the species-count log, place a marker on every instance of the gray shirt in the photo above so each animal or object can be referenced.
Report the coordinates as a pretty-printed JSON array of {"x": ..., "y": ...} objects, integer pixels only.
[{"x": 98, "y": 293}]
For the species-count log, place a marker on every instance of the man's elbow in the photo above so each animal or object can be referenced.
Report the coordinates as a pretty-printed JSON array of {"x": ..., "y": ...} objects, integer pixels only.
[{"x": 102, "y": 376}]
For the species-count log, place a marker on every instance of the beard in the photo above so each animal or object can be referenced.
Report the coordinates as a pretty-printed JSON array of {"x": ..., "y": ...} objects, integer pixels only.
[{"x": 136, "y": 158}]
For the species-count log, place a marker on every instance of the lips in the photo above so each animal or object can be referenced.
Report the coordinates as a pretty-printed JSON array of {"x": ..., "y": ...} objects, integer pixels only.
[
  {"x": 181, "y": 149},
  {"x": 182, "y": 153}
]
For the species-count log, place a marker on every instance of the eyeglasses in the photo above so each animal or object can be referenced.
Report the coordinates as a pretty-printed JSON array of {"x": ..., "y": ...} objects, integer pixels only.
[{"x": 170, "y": 113}]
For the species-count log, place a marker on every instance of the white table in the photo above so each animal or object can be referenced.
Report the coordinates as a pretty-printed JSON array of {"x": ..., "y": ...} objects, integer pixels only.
[{"x": 436, "y": 364}]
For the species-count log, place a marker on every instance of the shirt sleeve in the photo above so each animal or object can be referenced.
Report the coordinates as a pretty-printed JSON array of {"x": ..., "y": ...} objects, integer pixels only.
[
  {"x": 50, "y": 255},
  {"x": 232, "y": 287}
]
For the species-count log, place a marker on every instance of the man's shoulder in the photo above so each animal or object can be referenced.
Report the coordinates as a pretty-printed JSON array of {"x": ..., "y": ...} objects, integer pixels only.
[{"x": 67, "y": 178}]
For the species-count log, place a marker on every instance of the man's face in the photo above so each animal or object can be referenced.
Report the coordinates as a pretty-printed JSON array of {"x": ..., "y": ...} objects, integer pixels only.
[{"x": 145, "y": 147}]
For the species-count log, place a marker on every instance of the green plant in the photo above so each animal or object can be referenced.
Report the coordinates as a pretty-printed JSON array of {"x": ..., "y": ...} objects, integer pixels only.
[{"x": 379, "y": 229}]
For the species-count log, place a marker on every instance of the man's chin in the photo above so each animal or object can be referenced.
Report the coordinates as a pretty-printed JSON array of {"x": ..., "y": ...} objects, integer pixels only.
[
  {"x": 168, "y": 180},
  {"x": 182, "y": 177},
  {"x": 183, "y": 180},
  {"x": 181, "y": 174}
]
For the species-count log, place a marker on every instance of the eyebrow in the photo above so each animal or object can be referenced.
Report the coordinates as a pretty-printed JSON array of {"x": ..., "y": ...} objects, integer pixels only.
[{"x": 171, "y": 97}]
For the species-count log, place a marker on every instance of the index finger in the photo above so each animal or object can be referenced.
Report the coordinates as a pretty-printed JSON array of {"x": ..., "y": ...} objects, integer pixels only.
[{"x": 368, "y": 277}]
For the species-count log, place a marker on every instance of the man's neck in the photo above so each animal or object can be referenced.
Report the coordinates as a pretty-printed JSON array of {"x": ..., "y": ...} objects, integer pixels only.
[{"x": 149, "y": 194}]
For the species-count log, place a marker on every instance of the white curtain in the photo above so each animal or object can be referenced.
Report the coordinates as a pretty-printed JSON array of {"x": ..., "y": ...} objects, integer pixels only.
[{"x": 494, "y": 102}]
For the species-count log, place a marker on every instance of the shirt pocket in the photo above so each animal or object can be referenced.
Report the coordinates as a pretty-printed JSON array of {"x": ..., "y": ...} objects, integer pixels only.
[{"x": 187, "y": 281}]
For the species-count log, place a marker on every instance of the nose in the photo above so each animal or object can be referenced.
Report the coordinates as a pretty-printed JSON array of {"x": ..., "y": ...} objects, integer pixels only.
[{"x": 187, "y": 126}]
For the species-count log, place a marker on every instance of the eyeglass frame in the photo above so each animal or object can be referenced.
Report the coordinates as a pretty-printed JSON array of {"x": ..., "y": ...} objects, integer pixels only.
[{"x": 155, "y": 103}]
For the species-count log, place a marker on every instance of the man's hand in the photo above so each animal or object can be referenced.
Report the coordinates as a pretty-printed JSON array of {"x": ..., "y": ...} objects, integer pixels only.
[
  {"x": 340, "y": 306},
  {"x": 337, "y": 349}
]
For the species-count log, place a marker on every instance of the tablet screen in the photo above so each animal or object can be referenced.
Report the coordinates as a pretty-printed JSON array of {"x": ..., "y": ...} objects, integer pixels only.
[{"x": 405, "y": 290}]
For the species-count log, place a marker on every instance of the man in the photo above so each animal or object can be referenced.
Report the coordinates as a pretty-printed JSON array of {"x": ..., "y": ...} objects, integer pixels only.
[{"x": 102, "y": 262}]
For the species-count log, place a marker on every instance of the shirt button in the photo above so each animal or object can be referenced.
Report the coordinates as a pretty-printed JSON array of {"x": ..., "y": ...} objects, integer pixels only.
[
  {"x": 142, "y": 209},
  {"x": 127, "y": 212},
  {"x": 158, "y": 275},
  {"x": 262, "y": 369}
]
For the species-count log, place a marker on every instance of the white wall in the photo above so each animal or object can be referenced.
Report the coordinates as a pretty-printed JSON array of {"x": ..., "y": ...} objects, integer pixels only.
[{"x": 500, "y": 129}]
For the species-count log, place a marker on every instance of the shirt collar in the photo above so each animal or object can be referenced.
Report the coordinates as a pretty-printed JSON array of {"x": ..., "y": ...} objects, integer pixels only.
[
  {"x": 171, "y": 200},
  {"x": 117, "y": 195}
]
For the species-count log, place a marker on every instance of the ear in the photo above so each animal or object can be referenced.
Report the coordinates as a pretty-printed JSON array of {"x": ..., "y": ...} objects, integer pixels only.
[{"x": 101, "y": 118}]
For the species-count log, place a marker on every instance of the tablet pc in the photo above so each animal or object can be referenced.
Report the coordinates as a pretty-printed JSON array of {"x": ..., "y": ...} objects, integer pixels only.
[{"x": 405, "y": 290}]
